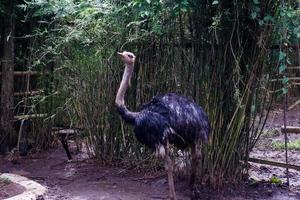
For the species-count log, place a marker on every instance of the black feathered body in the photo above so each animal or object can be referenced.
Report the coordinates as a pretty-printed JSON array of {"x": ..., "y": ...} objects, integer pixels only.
[{"x": 171, "y": 116}]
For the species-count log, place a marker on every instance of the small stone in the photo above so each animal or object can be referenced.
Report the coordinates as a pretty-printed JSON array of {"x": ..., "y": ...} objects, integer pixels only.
[
  {"x": 269, "y": 192},
  {"x": 40, "y": 197},
  {"x": 264, "y": 168}
]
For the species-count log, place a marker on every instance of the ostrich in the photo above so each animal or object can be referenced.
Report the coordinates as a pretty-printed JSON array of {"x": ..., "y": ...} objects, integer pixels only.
[{"x": 168, "y": 119}]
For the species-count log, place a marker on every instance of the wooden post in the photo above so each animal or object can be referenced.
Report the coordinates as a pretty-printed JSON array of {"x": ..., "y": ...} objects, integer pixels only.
[{"x": 7, "y": 79}]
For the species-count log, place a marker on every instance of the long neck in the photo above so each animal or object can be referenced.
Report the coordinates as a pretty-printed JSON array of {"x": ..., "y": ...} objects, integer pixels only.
[
  {"x": 120, "y": 102},
  {"x": 124, "y": 85}
]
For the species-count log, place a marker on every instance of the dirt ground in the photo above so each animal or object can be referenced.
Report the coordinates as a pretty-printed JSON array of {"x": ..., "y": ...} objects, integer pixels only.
[
  {"x": 265, "y": 150},
  {"x": 87, "y": 179}
]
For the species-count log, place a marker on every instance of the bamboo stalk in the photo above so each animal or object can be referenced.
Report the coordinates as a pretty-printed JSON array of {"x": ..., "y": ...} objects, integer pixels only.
[{"x": 274, "y": 163}]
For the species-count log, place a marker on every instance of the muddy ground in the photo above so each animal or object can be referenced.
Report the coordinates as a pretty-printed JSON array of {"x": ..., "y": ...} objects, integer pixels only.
[
  {"x": 87, "y": 179},
  {"x": 265, "y": 149}
]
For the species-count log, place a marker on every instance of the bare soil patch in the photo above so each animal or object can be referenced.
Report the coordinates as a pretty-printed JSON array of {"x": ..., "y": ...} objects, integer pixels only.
[
  {"x": 87, "y": 179},
  {"x": 9, "y": 189},
  {"x": 266, "y": 149}
]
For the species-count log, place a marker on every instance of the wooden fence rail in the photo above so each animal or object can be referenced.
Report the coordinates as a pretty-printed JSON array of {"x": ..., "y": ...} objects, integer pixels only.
[
  {"x": 22, "y": 73},
  {"x": 274, "y": 163}
]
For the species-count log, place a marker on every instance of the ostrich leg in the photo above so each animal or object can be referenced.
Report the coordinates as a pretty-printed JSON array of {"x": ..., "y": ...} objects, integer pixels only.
[
  {"x": 194, "y": 163},
  {"x": 169, "y": 169}
]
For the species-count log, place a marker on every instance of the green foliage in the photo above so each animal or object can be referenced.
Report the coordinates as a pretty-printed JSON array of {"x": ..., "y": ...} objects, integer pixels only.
[
  {"x": 292, "y": 145},
  {"x": 287, "y": 25},
  {"x": 275, "y": 180}
]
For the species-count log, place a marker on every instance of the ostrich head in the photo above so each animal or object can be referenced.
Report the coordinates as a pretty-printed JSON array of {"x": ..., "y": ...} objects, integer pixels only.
[{"x": 127, "y": 57}]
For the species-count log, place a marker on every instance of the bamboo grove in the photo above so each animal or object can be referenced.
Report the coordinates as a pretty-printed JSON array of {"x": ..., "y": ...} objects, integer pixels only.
[{"x": 217, "y": 52}]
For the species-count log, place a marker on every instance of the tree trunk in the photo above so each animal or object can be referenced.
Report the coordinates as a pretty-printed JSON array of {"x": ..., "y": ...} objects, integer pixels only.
[{"x": 7, "y": 134}]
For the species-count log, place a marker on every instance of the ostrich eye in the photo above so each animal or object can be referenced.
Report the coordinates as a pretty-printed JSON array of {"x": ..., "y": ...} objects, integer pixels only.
[{"x": 130, "y": 56}]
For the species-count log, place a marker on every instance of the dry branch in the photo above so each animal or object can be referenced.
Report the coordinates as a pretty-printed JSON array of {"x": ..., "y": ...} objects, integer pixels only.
[
  {"x": 294, "y": 104},
  {"x": 20, "y": 117},
  {"x": 293, "y": 67},
  {"x": 290, "y": 78},
  {"x": 30, "y": 93}
]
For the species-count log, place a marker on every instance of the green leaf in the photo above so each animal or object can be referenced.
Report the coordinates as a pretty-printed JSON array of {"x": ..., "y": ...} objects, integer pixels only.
[
  {"x": 269, "y": 18},
  {"x": 285, "y": 80},
  {"x": 215, "y": 2},
  {"x": 256, "y": 1},
  {"x": 284, "y": 90},
  {"x": 148, "y": 1},
  {"x": 253, "y": 108},
  {"x": 253, "y": 15},
  {"x": 256, "y": 9},
  {"x": 275, "y": 180},
  {"x": 145, "y": 14},
  {"x": 282, "y": 55},
  {"x": 282, "y": 67}
]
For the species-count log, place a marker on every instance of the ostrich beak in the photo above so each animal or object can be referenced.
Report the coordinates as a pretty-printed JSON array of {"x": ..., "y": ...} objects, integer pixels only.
[{"x": 121, "y": 54}]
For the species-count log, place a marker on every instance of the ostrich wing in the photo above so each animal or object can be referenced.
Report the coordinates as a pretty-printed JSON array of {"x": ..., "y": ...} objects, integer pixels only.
[
  {"x": 151, "y": 128},
  {"x": 188, "y": 121}
]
